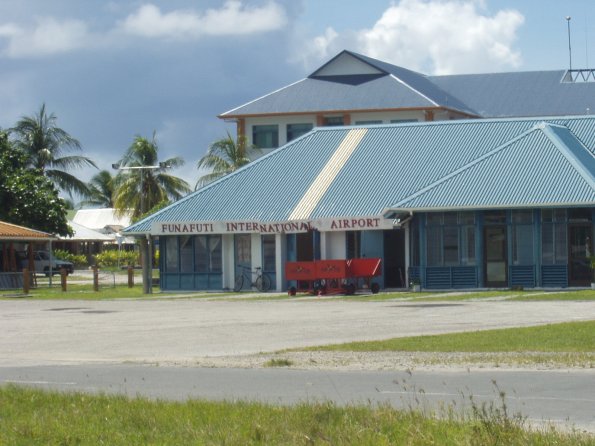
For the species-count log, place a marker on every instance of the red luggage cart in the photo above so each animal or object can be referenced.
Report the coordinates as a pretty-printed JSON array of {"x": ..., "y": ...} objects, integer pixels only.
[{"x": 333, "y": 276}]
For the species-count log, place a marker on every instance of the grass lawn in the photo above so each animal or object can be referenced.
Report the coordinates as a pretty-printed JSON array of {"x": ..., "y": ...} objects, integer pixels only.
[
  {"x": 30, "y": 416},
  {"x": 506, "y": 294},
  {"x": 564, "y": 337}
]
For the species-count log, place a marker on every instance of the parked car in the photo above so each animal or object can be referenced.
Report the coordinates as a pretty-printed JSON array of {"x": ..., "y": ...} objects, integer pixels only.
[{"x": 41, "y": 259}]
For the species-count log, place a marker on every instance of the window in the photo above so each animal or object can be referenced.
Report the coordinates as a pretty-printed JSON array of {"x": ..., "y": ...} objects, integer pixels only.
[
  {"x": 450, "y": 238},
  {"x": 296, "y": 130},
  {"x": 186, "y": 264},
  {"x": 331, "y": 121},
  {"x": 554, "y": 237},
  {"x": 207, "y": 253},
  {"x": 268, "y": 253},
  {"x": 579, "y": 215},
  {"x": 265, "y": 136},
  {"x": 522, "y": 237},
  {"x": 401, "y": 121},
  {"x": 494, "y": 217},
  {"x": 171, "y": 255},
  {"x": 373, "y": 122}
]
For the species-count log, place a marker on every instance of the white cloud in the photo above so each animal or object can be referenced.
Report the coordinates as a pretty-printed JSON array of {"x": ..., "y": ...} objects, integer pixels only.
[
  {"x": 232, "y": 19},
  {"x": 437, "y": 37},
  {"x": 48, "y": 37}
]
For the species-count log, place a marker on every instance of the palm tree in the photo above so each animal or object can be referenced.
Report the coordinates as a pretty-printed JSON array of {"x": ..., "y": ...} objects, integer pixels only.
[
  {"x": 44, "y": 144},
  {"x": 224, "y": 156},
  {"x": 101, "y": 190},
  {"x": 143, "y": 181}
]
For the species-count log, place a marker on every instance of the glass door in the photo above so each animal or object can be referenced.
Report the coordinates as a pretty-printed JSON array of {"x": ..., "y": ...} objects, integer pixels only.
[
  {"x": 243, "y": 258},
  {"x": 580, "y": 249},
  {"x": 495, "y": 256}
]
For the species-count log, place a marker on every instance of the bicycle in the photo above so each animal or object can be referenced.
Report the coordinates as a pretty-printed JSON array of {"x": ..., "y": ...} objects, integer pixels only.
[{"x": 262, "y": 282}]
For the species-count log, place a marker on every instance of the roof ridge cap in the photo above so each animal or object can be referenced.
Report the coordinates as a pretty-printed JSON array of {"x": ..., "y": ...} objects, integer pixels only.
[
  {"x": 401, "y": 81},
  {"x": 569, "y": 153}
]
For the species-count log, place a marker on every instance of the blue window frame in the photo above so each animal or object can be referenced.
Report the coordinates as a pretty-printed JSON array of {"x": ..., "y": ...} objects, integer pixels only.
[{"x": 450, "y": 238}]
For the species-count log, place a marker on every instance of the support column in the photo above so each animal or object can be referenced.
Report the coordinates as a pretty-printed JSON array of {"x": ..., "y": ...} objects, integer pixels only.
[
  {"x": 147, "y": 258},
  {"x": 280, "y": 259}
]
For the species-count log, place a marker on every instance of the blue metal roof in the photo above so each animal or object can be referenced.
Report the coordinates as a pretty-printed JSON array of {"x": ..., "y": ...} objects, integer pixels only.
[
  {"x": 335, "y": 172},
  {"x": 545, "y": 166},
  {"x": 520, "y": 94},
  {"x": 534, "y": 93}
]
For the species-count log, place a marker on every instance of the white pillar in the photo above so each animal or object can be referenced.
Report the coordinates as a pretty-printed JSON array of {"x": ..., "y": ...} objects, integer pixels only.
[{"x": 228, "y": 270}]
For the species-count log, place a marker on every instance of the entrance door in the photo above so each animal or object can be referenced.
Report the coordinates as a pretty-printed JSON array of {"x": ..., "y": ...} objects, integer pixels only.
[
  {"x": 580, "y": 248},
  {"x": 394, "y": 259},
  {"x": 305, "y": 247},
  {"x": 495, "y": 256},
  {"x": 243, "y": 257}
]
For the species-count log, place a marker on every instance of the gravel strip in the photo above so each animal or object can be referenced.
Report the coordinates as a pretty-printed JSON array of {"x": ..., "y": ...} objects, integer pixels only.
[{"x": 406, "y": 361}]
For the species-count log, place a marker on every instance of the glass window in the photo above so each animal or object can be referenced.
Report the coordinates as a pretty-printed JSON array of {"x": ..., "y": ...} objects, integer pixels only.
[
  {"x": 468, "y": 245},
  {"x": 331, "y": 121},
  {"x": 171, "y": 255},
  {"x": 296, "y": 130},
  {"x": 579, "y": 215},
  {"x": 268, "y": 253},
  {"x": 467, "y": 218},
  {"x": 451, "y": 245},
  {"x": 186, "y": 265},
  {"x": 373, "y": 122},
  {"x": 522, "y": 216},
  {"x": 265, "y": 136},
  {"x": 494, "y": 217},
  {"x": 434, "y": 242},
  {"x": 207, "y": 253},
  {"x": 216, "y": 257},
  {"x": 450, "y": 218},
  {"x": 201, "y": 254},
  {"x": 450, "y": 238},
  {"x": 522, "y": 244},
  {"x": 554, "y": 244},
  {"x": 434, "y": 219},
  {"x": 557, "y": 215},
  {"x": 399, "y": 121}
]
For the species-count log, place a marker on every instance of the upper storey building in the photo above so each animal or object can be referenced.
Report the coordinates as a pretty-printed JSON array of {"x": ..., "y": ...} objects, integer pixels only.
[{"x": 353, "y": 89}]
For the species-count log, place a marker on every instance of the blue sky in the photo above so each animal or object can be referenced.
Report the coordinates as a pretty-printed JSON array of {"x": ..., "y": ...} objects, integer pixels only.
[{"x": 111, "y": 70}]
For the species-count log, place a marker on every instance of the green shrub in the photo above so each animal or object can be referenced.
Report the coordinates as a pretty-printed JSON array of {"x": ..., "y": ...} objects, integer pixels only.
[
  {"x": 75, "y": 259},
  {"x": 109, "y": 259}
]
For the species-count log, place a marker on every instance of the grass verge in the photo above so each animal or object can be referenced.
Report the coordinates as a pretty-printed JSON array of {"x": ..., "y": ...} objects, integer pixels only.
[
  {"x": 564, "y": 337},
  {"x": 29, "y": 416},
  {"x": 427, "y": 296}
]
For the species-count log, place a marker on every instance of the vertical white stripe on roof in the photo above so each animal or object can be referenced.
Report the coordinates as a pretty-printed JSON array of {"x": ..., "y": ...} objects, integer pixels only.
[{"x": 327, "y": 175}]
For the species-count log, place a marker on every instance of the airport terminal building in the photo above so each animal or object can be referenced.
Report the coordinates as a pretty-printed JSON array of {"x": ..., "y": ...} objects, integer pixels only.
[{"x": 455, "y": 204}]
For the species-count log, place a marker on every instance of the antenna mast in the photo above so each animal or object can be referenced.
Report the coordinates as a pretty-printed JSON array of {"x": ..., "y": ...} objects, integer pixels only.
[{"x": 569, "y": 48}]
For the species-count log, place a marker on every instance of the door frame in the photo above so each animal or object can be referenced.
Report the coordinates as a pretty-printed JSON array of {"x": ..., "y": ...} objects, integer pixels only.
[{"x": 495, "y": 284}]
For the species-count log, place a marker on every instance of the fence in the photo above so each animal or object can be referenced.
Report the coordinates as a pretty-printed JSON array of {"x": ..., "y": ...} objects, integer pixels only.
[{"x": 97, "y": 279}]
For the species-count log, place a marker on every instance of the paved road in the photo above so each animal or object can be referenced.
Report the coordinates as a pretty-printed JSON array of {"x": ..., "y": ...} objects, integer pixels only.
[
  {"x": 184, "y": 330},
  {"x": 562, "y": 398}
]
